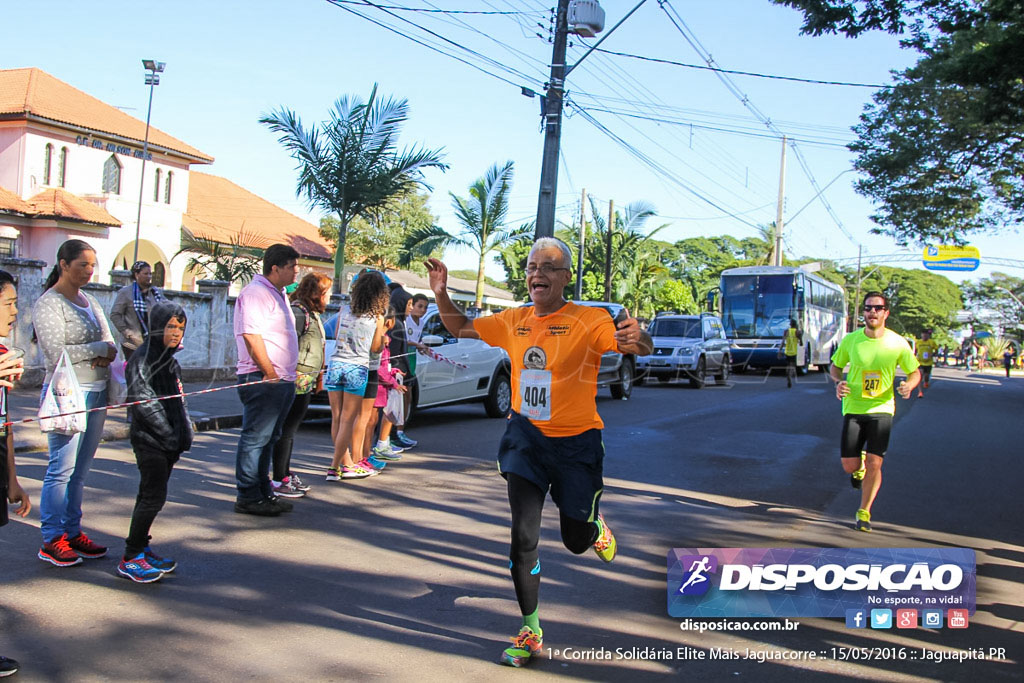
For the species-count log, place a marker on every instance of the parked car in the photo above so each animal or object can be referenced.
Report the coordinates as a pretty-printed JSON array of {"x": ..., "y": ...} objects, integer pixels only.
[
  {"x": 618, "y": 371},
  {"x": 484, "y": 378},
  {"x": 690, "y": 346}
]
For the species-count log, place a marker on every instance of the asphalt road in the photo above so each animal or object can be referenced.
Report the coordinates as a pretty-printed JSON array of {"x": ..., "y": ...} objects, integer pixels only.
[{"x": 404, "y": 576}]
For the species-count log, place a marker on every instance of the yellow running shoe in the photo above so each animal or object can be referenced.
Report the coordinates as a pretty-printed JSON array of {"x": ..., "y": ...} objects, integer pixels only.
[
  {"x": 605, "y": 545},
  {"x": 863, "y": 520},
  {"x": 524, "y": 646},
  {"x": 858, "y": 476}
]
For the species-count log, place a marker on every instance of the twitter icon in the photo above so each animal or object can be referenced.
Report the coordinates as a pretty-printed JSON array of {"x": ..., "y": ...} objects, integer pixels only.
[{"x": 881, "y": 618}]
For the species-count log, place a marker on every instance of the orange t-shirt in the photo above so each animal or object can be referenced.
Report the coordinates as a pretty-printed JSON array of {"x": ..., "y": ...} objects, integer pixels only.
[{"x": 555, "y": 361}]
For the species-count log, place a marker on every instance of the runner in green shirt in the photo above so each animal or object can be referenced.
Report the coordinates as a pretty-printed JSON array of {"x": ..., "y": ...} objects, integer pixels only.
[
  {"x": 790, "y": 346},
  {"x": 868, "y": 398}
]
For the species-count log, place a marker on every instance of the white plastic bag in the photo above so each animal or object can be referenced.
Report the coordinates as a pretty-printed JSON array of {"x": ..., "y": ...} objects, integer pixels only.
[
  {"x": 63, "y": 395},
  {"x": 117, "y": 388},
  {"x": 394, "y": 411}
]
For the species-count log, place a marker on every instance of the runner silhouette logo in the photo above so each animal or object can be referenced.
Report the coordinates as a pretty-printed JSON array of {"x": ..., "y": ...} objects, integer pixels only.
[{"x": 697, "y": 581}]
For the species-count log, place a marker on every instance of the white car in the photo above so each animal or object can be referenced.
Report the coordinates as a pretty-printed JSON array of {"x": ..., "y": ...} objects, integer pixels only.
[{"x": 469, "y": 370}]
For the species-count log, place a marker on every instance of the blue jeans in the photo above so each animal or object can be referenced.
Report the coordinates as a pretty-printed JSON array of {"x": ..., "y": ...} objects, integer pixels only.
[
  {"x": 264, "y": 409},
  {"x": 60, "y": 502}
]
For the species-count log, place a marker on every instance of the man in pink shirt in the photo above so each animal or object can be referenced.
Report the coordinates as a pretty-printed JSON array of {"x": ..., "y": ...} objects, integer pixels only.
[{"x": 267, "y": 350}]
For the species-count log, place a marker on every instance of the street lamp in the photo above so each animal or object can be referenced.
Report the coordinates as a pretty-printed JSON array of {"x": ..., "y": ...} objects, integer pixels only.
[{"x": 152, "y": 79}]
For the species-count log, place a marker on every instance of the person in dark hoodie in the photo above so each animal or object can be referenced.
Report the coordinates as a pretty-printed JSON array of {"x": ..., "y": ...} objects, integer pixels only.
[
  {"x": 399, "y": 349},
  {"x": 160, "y": 432}
]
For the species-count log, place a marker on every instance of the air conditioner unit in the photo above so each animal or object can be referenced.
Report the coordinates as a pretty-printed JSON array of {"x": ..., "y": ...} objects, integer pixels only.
[{"x": 586, "y": 18}]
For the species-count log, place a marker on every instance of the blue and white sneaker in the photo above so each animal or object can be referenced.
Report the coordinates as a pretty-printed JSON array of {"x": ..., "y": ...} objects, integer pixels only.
[
  {"x": 376, "y": 463},
  {"x": 164, "y": 564},
  {"x": 139, "y": 570},
  {"x": 403, "y": 440},
  {"x": 386, "y": 452}
]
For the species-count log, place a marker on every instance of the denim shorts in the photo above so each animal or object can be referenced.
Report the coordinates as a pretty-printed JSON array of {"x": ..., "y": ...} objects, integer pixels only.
[{"x": 347, "y": 377}]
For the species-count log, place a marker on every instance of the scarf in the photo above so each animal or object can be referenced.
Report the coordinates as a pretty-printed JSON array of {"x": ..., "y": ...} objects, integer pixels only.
[{"x": 141, "y": 309}]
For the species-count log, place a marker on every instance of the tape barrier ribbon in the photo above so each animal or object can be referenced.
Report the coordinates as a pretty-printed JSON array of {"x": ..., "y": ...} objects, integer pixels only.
[{"x": 432, "y": 354}]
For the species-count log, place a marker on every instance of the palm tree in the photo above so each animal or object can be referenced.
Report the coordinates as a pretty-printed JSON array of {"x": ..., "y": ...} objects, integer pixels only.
[
  {"x": 627, "y": 240},
  {"x": 352, "y": 163},
  {"x": 482, "y": 216},
  {"x": 237, "y": 261}
]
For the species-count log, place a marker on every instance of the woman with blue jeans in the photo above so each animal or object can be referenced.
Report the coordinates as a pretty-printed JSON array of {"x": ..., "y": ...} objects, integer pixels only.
[{"x": 67, "y": 319}]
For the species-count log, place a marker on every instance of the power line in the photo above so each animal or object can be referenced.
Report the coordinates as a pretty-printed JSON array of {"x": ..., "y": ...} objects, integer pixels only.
[
  {"x": 435, "y": 10},
  {"x": 718, "y": 69},
  {"x": 709, "y": 60}
]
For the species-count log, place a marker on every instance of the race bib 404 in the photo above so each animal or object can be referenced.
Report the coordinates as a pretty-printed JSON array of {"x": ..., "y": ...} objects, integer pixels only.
[{"x": 535, "y": 392}]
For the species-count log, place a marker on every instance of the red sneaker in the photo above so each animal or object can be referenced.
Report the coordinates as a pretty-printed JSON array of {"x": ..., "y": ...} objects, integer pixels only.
[
  {"x": 59, "y": 553},
  {"x": 85, "y": 547}
]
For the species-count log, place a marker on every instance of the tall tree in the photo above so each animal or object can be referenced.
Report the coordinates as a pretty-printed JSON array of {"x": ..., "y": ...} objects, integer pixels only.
[
  {"x": 1000, "y": 296},
  {"x": 351, "y": 164},
  {"x": 483, "y": 218},
  {"x": 942, "y": 151}
]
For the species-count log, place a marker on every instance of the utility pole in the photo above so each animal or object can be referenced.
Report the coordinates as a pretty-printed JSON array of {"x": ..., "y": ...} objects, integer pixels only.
[
  {"x": 608, "y": 251},
  {"x": 856, "y": 298},
  {"x": 545, "y": 226},
  {"x": 583, "y": 237},
  {"x": 778, "y": 212}
]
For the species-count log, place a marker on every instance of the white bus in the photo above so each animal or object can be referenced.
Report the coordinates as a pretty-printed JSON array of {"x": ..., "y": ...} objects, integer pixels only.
[{"x": 757, "y": 303}]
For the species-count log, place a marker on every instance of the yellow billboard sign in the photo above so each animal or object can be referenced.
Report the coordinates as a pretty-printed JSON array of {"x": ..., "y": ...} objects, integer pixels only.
[{"x": 951, "y": 258}]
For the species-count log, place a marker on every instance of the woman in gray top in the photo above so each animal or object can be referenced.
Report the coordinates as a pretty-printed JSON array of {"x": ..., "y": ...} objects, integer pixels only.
[{"x": 67, "y": 319}]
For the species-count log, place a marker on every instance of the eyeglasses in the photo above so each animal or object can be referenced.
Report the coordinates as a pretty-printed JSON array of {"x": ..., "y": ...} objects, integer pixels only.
[
  {"x": 875, "y": 307},
  {"x": 543, "y": 269}
]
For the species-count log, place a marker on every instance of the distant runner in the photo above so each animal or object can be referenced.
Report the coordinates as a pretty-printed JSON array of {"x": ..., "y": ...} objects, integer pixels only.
[
  {"x": 926, "y": 350},
  {"x": 553, "y": 438},
  {"x": 790, "y": 346},
  {"x": 872, "y": 353}
]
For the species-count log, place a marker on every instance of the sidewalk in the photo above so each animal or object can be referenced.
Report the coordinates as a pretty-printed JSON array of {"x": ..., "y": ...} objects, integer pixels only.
[{"x": 219, "y": 410}]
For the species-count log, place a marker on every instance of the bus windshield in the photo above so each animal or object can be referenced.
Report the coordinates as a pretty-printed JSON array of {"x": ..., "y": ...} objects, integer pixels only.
[
  {"x": 756, "y": 306},
  {"x": 676, "y": 327}
]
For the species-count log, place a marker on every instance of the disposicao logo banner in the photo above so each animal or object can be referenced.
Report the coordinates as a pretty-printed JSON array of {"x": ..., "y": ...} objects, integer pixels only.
[
  {"x": 816, "y": 582},
  {"x": 952, "y": 258}
]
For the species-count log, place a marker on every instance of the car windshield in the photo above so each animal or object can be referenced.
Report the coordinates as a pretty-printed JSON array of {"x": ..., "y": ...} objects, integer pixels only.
[
  {"x": 758, "y": 306},
  {"x": 677, "y": 327}
]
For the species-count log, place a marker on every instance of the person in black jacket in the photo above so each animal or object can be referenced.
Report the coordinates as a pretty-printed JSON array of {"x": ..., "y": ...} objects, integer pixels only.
[
  {"x": 399, "y": 349},
  {"x": 160, "y": 432}
]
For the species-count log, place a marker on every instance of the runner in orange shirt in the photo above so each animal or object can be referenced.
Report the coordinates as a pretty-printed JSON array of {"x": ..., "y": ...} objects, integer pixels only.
[{"x": 553, "y": 438}]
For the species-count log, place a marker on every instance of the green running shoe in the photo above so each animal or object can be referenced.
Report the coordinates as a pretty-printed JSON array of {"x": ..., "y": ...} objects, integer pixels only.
[
  {"x": 605, "y": 544},
  {"x": 524, "y": 646},
  {"x": 863, "y": 520}
]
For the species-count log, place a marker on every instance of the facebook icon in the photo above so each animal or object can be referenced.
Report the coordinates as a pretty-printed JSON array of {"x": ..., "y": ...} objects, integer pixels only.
[{"x": 856, "y": 618}]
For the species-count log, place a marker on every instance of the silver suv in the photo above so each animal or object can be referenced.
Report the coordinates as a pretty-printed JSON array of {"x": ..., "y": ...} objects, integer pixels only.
[{"x": 691, "y": 346}]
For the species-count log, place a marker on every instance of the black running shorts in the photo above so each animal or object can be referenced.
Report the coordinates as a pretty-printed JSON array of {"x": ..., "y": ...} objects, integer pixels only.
[
  {"x": 869, "y": 433},
  {"x": 926, "y": 373},
  {"x": 570, "y": 466},
  {"x": 372, "y": 382}
]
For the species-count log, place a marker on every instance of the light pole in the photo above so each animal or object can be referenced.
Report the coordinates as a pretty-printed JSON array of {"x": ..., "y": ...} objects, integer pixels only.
[{"x": 153, "y": 68}]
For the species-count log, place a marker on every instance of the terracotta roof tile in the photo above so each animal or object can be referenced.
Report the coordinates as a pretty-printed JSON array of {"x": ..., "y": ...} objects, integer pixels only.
[
  {"x": 58, "y": 203},
  {"x": 13, "y": 203},
  {"x": 221, "y": 210},
  {"x": 33, "y": 91}
]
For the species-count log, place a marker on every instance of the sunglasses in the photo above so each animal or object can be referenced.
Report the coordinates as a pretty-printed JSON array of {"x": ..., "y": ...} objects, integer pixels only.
[{"x": 875, "y": 307}]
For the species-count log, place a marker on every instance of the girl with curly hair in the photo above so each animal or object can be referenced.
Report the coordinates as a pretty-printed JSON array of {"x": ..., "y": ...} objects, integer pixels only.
[{"x": 351, "y": 379}]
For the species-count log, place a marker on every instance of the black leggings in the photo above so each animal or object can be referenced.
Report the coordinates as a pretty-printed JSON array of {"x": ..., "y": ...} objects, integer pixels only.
[
  {"x": 155, "y": 469},
  {"x": 526, "y": 500},
  {"x": 283, "y": 447}
]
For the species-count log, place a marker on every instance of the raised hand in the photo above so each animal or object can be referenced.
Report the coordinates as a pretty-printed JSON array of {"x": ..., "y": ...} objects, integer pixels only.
[{"x": 437, "y": 274}]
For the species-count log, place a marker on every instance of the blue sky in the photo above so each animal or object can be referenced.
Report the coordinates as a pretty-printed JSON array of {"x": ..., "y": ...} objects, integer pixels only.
[{"x": 229, "y": 61}]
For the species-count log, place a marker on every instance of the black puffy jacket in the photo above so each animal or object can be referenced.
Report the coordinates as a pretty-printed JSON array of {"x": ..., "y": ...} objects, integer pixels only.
[
  {"x": 399, "y": 345},
  {"x": 152, "y": 371}
]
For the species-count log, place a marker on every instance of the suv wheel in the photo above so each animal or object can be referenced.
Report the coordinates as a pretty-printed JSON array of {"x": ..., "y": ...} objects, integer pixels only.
[
  {"x": 723, "y": 376},
  {"x": 624, "y": 387},
  {"x": 499, "y": 399},
  {"x": 699, "y": 377}
]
